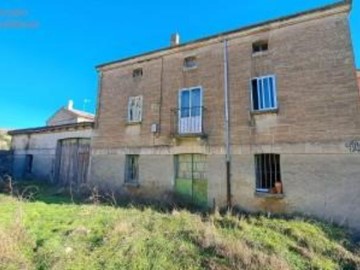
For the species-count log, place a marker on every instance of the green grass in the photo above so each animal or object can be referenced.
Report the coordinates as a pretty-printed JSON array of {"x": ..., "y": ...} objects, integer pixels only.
[{"x": 53, "y": 233}]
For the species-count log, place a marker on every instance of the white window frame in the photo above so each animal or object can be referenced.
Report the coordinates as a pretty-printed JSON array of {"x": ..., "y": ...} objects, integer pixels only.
[
  {"x": 190, "y": 89},
  {"x": 141, "y": 109},
  {"x": 261, "y": 80},
  {"x": 201, "y": 104}
]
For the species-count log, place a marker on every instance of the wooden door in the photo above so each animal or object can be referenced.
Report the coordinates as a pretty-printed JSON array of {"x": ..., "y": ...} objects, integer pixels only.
[{"x": 72, "y": 161}]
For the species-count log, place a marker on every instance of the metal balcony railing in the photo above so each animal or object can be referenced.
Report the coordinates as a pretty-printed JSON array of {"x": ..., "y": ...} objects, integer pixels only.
[{"x": 188, "y": 121}]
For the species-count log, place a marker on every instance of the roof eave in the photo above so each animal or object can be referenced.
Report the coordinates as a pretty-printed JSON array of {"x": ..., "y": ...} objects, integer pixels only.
[
  {"x": 46, "y": 129},
  {"x": 346, "y": 3}
]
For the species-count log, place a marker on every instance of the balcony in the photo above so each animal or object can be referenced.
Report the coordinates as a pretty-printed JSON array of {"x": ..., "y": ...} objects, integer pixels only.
[{"x": 188, "y": 122}]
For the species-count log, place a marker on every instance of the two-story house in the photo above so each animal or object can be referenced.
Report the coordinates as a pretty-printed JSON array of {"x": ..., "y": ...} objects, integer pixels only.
[{"x": 265, "y": 117}]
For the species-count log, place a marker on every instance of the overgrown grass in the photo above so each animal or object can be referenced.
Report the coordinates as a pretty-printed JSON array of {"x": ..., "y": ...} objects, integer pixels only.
[{"x": 61, "y": 235}]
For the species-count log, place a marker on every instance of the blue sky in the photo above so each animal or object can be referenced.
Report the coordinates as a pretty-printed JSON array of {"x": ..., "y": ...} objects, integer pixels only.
[{"x": 49, "y": 55}]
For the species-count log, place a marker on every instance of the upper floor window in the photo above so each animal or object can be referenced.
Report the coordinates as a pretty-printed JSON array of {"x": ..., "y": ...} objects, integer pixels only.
[
  {"x": 135, "y": 109},
  {"x": 263, "y": 93},
  {"x": 260, "y": 46},
  {"x": 137, "y": 73},
  {"x": 190, "y": 62}
]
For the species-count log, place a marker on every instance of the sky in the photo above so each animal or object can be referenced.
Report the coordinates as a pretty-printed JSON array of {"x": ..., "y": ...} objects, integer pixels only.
[{"x": 49, "y": 49}]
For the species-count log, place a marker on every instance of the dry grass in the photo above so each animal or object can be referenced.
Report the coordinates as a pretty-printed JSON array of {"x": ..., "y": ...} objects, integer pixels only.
[{"x": 35, "y": 235}]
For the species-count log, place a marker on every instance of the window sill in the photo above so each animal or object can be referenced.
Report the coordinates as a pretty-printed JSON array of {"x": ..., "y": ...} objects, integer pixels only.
[
  {"x": 131, "y": 185},
  {"x": 269, "y": 111},
  {"x": 269, "y": 195},
  {"x": 259, "y": 54},
  {"x": 133, "y": 123},
  {"x": 189, "y": 68}
]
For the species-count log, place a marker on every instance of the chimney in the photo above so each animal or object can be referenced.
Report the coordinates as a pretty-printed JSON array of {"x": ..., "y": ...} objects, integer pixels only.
[
  {"x": 175, "y": 40},
  {"x": 70, "y": 105}
]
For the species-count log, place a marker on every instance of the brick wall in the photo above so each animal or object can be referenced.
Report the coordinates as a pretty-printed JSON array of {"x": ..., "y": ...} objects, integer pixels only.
[
  {"x": 317, "y": 118},
  {"x": 317, "y": 91}
]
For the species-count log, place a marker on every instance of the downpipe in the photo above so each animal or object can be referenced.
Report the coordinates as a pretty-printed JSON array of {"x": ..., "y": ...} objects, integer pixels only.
[{"x": 227, "y": 127}]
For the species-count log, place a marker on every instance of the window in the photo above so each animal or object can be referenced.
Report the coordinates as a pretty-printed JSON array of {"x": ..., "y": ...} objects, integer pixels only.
[
  {"x": 263, "y": 93},
  {"x": 28, "y": 163},
  {"x": 137, "y": 73},
  {"x": 132, "y": 169},
  {"x": 268, "y": 174},
  {"x": 135, "y": 109},
  {"x": 190, "y": 111},
  {"x": 190, "y": 62},
  {"x": 260, "y": 46}
]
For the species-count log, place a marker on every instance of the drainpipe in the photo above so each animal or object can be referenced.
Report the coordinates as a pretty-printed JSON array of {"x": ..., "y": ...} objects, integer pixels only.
[{"x": 227, "y": 127}]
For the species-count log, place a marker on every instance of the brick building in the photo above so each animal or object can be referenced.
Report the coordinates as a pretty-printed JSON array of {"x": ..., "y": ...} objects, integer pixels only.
[{"x": 265, "y": 117}]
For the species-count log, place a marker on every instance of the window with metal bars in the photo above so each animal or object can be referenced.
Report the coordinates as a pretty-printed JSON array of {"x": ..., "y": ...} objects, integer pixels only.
[
  {"x": 267, "y": 169},
  {"x": 132, "y": 169},
  {"x": 263, "y": 93}
]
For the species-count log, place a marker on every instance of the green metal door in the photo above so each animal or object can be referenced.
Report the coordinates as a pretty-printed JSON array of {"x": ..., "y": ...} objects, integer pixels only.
[{"x": 191, "y": 182}]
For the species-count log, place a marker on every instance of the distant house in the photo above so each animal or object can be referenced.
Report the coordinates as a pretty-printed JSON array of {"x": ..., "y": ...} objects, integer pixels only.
[
  {"x": 265, "y": 117},
  {"x": 69, "y": 115},
  {"x": 57, "y": 152}
]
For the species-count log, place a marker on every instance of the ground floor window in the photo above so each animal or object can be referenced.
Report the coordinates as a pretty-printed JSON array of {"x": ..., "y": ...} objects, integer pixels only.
[
  {"x": 190, "y": 174},
  {"x": 29, "y": 163},
  {"x": 132, "y": 169},
  {"x": 268, "y": 173}
]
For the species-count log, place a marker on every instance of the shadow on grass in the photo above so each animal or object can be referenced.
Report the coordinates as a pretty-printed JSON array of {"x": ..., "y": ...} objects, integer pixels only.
[{"x": 35, "y": 191}]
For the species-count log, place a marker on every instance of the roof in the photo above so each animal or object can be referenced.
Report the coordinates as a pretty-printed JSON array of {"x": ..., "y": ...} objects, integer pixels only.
[
  {"x": 81, "y": 125},
  {"x": 81, "y": 113},
  {"x": 73, "y": 112},
  {"x": 343, "y": 3}
]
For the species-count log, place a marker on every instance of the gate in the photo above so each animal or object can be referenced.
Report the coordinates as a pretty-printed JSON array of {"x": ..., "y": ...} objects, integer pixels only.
[{"x": 72, "y": 161}]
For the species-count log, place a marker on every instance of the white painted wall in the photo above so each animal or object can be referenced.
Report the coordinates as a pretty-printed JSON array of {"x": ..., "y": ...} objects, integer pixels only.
[{"x": 43, "y": 148}]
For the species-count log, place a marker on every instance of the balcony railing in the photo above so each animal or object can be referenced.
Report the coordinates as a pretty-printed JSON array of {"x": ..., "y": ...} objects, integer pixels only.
[{"x": 188, "y": 121}]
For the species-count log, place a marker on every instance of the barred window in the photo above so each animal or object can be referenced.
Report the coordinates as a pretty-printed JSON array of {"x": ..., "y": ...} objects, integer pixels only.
[
  {"x": 267, "y": 168},
  {"x": 132, "y": 169},
  {"x": 263, "y": 93}
]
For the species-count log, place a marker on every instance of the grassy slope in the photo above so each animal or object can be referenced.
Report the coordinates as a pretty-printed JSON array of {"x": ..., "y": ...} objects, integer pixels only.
[{"x": 36, "y": 235}]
